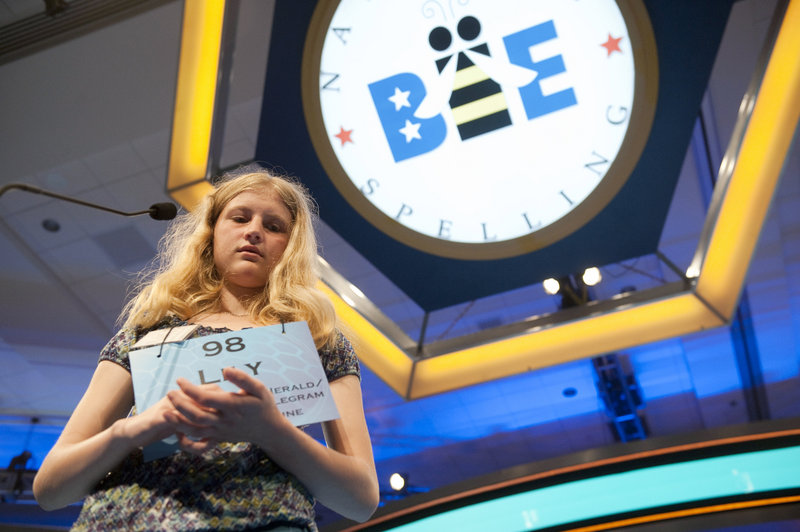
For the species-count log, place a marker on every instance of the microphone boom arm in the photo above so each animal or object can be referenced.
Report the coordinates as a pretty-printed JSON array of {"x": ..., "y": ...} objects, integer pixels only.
[{"x": 157, "y": 211}]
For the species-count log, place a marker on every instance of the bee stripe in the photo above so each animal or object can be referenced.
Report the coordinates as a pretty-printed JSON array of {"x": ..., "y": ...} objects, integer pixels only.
[
  {"x": 468, "y": 76},
  {"x": 484, "y": 125},
  {"x": 475, "y": 92},
  {"x": 480, "y": 108}
]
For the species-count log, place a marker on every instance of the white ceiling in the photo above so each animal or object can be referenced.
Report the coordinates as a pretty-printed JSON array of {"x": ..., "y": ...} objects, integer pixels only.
[{"x": 91, "y": 118}]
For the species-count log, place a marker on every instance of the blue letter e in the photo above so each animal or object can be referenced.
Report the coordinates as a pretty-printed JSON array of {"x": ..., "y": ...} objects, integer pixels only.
[
  {"x": 398, "y": 114},
  {"x": 518, "y": 47}
]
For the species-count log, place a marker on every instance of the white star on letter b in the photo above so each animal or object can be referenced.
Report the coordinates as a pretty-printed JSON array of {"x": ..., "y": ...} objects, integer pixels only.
[
  {"x": 411, "y": 131},
  {"x": 400, "y": 99}
]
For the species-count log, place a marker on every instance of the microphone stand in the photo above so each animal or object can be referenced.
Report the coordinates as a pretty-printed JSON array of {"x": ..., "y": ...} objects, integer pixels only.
[{"x": 157, "y": 211}]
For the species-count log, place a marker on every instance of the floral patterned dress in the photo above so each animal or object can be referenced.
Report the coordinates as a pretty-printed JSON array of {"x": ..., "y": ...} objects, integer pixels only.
[{"x": 234, "y": 486}]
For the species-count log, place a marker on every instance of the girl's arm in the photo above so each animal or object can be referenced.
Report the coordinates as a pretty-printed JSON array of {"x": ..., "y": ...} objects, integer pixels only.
[{"x": 97, "y": 437}]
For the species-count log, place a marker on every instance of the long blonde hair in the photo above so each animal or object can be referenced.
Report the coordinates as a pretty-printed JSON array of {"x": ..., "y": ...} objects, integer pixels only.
[{"x": 183, "y": 280}]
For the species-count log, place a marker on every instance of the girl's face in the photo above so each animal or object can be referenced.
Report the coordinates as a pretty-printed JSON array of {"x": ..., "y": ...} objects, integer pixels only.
[{"x": 250, "y": 236}]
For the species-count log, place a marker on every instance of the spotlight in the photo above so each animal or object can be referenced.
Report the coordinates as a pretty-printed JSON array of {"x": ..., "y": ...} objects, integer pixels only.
[
  {"x": 592, "y": 276},
  {"x": 397, "y": 481},
  {"x": 551, "y": 286}
]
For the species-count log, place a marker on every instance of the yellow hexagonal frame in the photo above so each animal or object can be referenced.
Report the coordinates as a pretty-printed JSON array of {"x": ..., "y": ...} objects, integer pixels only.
[{"x": 731, "y": 231}]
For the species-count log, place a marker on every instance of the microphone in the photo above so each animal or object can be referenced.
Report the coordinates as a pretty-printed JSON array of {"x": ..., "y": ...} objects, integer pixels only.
[
  {"x": 157, "y": 211},
  {"x": 162, "y": 211}
]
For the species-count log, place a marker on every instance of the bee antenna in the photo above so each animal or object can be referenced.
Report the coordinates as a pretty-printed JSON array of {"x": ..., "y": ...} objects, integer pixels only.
[{"x": 429, "y": 9}]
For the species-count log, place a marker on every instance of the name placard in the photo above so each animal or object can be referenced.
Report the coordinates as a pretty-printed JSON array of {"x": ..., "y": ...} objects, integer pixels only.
[{"x": 283, "y": 357}]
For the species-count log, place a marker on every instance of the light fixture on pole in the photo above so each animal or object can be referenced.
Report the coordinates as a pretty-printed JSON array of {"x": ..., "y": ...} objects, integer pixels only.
[
  {"x": 592, "y": 276},
  {"x": 551, "y": 286}
]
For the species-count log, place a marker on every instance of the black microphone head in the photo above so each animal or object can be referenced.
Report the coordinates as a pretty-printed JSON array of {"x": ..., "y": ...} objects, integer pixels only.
[{"x": 163, "y": 211}]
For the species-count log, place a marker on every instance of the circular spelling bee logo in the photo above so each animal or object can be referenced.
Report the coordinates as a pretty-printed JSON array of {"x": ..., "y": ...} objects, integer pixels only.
[{"x": 479, "y": 129}]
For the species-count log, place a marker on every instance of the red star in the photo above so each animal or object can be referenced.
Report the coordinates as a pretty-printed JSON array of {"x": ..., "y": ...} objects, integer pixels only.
[
  {"x": 612, "y": 44},
  {"x": 344, "y": 135}
]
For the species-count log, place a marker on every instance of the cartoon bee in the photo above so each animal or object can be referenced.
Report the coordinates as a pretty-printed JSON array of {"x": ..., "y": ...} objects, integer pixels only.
[{"x": 477, "y": 100}]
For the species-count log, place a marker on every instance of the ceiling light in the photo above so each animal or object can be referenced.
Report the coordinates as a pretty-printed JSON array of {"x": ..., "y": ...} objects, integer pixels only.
[
  {"x": 693, "y": 271},
  {"x": 551, "y": 286},
  {"x": 592, "y": 276},
  {"x": 397, "y": 481},
  {"x": 357, "y": 291}
]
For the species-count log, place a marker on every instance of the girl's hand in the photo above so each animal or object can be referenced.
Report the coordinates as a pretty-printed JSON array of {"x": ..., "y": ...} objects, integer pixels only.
[
  {"x": 205, "y": 415},
  {"x": 154, "y": 424}
]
